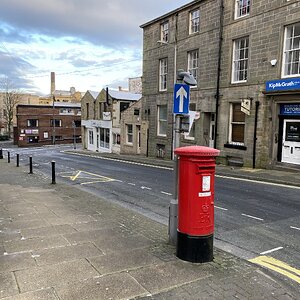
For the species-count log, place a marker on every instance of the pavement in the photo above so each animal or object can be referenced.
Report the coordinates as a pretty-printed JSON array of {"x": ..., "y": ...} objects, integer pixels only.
[{"x": 58, "y": 242}]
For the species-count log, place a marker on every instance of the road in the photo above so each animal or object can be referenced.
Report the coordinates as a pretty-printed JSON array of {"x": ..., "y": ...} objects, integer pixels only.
[{"x": 251, "y": 218}]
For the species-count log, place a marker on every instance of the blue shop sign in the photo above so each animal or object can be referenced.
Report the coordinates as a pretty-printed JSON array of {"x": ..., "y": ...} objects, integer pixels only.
[
  {"x": 283, "y": 84},
  {"x": 292, "y": 109}
]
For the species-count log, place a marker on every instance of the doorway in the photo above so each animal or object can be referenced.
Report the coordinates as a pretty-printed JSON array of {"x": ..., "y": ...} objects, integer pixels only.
[
  {"x": 212, "y": 125},
  {"x": 138, "y": 132},
  {"x": 291, "y": 142}
]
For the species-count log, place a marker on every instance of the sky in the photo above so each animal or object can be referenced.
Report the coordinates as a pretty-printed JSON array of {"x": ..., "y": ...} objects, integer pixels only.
[{"x": 89, "y": 44}]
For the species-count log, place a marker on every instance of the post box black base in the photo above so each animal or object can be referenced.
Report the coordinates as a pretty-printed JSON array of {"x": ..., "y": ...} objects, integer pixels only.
[{"x": 197, "y": 249}]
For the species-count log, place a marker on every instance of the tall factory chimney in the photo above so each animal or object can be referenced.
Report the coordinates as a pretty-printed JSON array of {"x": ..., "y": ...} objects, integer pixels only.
[{"x": 52, "y": 83}]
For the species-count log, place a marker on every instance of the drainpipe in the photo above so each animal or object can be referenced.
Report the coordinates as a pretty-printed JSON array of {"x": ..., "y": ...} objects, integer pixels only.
[
  {"x": 255, "y": 133},
  {"x": 107, "y": 99},
  {"x": 217, "y": 96}
]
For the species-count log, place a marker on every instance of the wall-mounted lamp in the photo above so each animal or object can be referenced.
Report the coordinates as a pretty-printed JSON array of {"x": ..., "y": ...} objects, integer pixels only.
[{"x": 273, "y": 62}]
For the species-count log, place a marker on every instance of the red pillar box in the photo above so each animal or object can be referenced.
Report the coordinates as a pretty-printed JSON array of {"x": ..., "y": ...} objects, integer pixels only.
[{"x": 196, "y": 176}]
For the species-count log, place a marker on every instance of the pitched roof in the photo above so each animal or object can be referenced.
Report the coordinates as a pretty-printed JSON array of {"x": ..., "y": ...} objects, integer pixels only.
[
  {"x": 124, "y": 95},
  {"x": 94, "y": 94}
]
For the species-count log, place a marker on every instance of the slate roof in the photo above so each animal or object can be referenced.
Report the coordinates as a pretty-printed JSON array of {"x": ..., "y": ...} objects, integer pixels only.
[
  {"x": 124, "y": 95},
  {"x": 94, "y": 94}
]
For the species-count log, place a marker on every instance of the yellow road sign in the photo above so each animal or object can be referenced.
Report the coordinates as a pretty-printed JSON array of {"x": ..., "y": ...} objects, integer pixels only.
[{"x": 277, "y": 266}]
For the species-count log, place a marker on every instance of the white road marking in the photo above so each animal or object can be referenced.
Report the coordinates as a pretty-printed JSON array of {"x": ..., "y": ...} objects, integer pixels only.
[
  {"x": 218, "y": 207},
  {"x": 145, "y": 188},
  {"x": 131, "y": 183},
  {"x": 119, "y": 160},
  {"x": 252, "y": 217},
  {"x": 261, "y": 182},
  {"x": 294, "y": 227},
  {"x": 169, "y": 194},
  {"x": 270, "y": 251}
]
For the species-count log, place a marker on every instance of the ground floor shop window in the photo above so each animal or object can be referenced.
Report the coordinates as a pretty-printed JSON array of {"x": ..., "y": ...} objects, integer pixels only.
[
  {"x": 104, "y": 137},
  {"x": 236, "y": 125},
  {"x": 129, "y": 134},
  {"x": 33, "y": 139},
  {"x": 91, "y": 137}
]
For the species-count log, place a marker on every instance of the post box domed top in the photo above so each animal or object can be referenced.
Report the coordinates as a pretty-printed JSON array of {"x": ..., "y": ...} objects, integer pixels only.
[{"x": 196, "y": 151}]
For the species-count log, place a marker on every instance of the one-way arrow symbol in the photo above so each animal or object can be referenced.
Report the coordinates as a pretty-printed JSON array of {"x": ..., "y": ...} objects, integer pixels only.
[
  {"x": 181, "y": 99},
  {"x": 182, "y": 94}
]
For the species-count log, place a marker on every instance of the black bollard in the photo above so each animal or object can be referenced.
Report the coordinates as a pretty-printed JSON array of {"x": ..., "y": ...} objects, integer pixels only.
[
  {"x": 18, "y": 159},
  {"x": 1, "y": 153},
  {"x": 30, "y": 165},
  {"x": 8, "y": 157},
  {"x": 53, "y": 172}
]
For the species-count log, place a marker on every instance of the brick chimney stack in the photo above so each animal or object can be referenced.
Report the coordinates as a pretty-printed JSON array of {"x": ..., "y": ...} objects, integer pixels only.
[{"x": 52, "y": 83}]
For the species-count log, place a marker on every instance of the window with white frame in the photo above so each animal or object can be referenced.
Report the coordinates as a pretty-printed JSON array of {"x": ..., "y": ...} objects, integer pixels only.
[
  {"x": 162, "y": 120},
  {"x": 240, "y": 60},
  {"x": 163, "y": 72},
  {"x": 129, "y": 134},
  {"x": 291, "y": 54},
  {"x": 194, "y": 21},
  {"x": 164, "y": 32},
  {"x": 242, "y": 8},
  {"x": 104, "y": 137},
  {"x": 32, "y": 123},
  {"x": 55, "y": 123},
  {"x": 193, "y": 57},
  {"x": 236, "y": 125},
  {"x": 91, "y": 137}
]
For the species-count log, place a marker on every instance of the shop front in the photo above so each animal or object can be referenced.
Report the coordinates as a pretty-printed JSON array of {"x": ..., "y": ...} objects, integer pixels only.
[
  {"x": 285, "y": 106},
  {"x": 289, "y": 126}
]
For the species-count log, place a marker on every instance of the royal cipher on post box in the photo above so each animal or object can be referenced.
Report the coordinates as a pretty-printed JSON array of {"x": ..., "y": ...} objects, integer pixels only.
[{"x": 196, "y": 173}]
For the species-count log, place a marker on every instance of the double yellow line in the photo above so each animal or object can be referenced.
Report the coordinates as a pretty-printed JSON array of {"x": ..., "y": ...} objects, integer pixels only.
[{"x": 277, "y": 266}]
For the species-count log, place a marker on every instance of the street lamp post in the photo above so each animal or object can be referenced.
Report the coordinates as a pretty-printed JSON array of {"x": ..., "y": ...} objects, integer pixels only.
[
  {"x": 173, "y": 208},
  {"x": 74, "y": 133},
  {"x": 53, "y": 120}
]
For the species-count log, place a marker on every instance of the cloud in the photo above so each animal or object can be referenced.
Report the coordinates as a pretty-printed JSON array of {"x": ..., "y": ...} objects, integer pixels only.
[
  {"x": 79, "y": 40},
  {"x": 100, "y": 22},
  {"x": 15, "y": 68}
]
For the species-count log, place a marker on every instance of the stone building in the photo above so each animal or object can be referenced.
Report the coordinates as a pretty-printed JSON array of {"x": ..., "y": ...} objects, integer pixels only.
[
  {"x": 39, "y": 125},
  {"x": 101, "y": 117},
  {"x": 133, "y": 130},
  {"x": 191, "y": 41},
  {"x": 245, "y": 58}
]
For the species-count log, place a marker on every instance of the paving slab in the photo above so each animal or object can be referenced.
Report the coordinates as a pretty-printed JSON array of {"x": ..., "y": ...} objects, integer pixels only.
[
  {"x": 93, "y": 235},
  {"x": 35, "y": 244},
  {"x": 44, "y": 294},
  {"x": 9, "y": 234},
  {"x": 47, "y": 231},
  {"x": 8, "y": 285},
  {"x": 61, "y": 220},
  {"x": 54, "y": 275},
  {"x": 171, "y": 274},
  {"x": 95, "y": 225},
  {"x": 115, "y": 286},
  {"x": 27, "y": 224},
  {"x": 124, "y": 261},
  {"x": 123, "y": 243},
  {"x": 16, "y": 261},
  {"x": 68, "y": 253}
]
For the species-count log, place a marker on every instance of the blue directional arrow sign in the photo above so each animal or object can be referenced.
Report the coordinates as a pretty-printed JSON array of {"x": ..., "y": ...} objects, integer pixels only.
[{"x": 181, "y": 98}]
